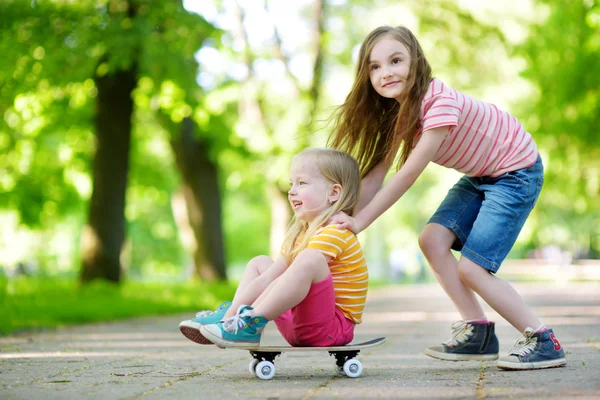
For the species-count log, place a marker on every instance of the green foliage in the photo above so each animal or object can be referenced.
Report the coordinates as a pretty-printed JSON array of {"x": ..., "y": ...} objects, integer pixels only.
[
  {"x": 253, "y": 122},
  {"x": 563, "y": 116},
  {"x": 49, "y": 96},
  {"x": 29, "y": 303},
  {"x": 52, "y": 50},
  {"x": 45, "y": 150}
]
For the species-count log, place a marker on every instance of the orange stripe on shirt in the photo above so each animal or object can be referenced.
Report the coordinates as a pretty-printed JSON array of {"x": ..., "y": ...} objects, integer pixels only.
[{"x": 348, "y": 267}]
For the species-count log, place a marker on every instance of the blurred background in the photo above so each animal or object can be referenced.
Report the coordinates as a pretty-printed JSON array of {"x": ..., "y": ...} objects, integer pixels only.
[{"x": 147, "y": 143}]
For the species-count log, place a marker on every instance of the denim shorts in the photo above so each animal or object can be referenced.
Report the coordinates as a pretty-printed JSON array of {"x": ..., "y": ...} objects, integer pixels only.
[{"x": 487, "y": 214}]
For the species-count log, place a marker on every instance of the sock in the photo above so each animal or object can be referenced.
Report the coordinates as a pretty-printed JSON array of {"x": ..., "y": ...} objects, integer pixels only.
[
  {"x": 541, "y": 328},
  {"x": 477, "y": 321}
]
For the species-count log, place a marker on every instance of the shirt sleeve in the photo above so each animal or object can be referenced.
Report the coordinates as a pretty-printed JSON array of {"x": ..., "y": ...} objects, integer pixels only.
[
  {"x": 443, "y": 111},
  {"x": 329, "y": 241}
]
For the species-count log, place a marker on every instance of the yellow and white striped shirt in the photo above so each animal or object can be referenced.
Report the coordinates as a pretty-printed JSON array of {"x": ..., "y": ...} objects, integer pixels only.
[{"x": 348, "y": 269}]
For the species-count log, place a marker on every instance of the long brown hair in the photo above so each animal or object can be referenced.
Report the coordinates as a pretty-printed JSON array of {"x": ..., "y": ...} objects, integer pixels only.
[
  {"x": 372, "y": 127},
  {"x": 336, "y": 167}
]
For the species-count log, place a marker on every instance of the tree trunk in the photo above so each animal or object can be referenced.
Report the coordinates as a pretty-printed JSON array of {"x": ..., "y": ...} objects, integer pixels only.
[
  {"x": 104, "y": 235},
  {"x": 203, "y": 201}
]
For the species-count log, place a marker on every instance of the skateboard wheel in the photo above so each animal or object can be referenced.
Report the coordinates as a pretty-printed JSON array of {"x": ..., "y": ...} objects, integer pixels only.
[
  {"x": 353, "y": 368},
  {"x": 252, "y": 366},
  {"x": 265, "y": 370}
]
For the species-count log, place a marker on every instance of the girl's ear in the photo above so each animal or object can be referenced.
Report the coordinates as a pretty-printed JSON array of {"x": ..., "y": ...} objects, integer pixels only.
[{"x": 334, "y": 193}]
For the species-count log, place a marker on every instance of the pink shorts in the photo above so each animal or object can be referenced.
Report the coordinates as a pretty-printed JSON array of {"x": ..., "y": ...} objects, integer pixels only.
[{"x": 316, "y": 321}]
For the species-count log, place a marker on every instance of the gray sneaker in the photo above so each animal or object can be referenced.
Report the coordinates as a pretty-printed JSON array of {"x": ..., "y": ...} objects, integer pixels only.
[
  {"x": 534, "y": 351},
  {"x": 469, "y": 342}
]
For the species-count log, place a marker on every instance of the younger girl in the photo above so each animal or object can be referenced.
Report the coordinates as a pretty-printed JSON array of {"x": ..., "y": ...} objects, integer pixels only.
[
  {"x": 396, "y": 105},
  {"x": 315, "y": 290}
]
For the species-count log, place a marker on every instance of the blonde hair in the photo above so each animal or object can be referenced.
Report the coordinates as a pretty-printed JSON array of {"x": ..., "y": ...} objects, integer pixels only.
[
  {"x": 371, "y": 127},
  {"x": 337, "y": 167}
]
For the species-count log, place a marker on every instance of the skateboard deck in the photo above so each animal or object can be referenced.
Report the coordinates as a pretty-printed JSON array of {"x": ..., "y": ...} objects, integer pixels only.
[{"x": 346, "y": 364}]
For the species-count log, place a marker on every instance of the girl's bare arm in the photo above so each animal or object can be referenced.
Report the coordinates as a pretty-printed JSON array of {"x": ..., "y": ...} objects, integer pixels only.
[
  {"x": 402, "y": 180},
  {"x": 372, "y": 182}
]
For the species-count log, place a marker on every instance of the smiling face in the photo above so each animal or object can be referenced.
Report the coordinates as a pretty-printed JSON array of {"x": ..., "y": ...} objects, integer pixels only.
[
  {"x": 309, "y": 192},
  {"x": 389, "y": 66}
]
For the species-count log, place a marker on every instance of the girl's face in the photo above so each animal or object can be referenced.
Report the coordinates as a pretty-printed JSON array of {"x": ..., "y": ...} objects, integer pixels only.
[
  {"x": 389, "y": 64},
  {"x": 309, "y": 191}
]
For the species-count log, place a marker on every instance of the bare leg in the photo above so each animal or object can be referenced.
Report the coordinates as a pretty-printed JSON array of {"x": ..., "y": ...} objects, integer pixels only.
[
  {"x": 498, "y": 294},
  {"x": 265, "y": 293},
  {"x": 251, "y": 285},
  {"x": 293, "y": 285},
  {"x": 436, "y": 241}
]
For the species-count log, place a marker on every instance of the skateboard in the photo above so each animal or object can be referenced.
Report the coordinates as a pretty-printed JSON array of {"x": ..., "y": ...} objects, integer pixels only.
[{"x": 263, "y": 363}]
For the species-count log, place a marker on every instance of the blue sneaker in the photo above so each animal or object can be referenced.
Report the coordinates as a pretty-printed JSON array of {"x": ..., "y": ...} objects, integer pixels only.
[
  {"x": 469, "y": 342},
  {"x": 534, "y": 351},
  {"x": 241, "y": 330},
  {"x": 191, "y": 327}
]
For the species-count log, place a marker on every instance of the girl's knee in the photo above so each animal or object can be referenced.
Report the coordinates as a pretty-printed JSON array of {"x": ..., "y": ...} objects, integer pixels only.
[
  {"x": 467, "y": 272},
  {"x": 311, "y": 257},
  {"x": 313, "y": 262},
  {"x": 435, "y": 239},
  {"x": 425, "y": 240},
  {"x": 260, "y": 263}
]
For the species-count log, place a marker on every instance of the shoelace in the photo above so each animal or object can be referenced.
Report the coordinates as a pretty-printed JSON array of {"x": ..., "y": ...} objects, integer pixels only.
[
  {"x": 237, "y": 321},
  {"x": 461, "y": 331},
  {"x": 206, "y": 313},
  {"x": 525, "y": 344}
]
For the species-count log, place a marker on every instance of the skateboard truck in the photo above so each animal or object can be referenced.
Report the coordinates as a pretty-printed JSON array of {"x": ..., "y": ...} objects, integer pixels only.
[
  {"x": 342, "y": 356},
  {"x": 265, "y": 355}
]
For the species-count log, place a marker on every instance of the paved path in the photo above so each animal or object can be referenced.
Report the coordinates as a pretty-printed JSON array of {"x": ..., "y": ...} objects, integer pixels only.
[{"x": 148, "y": 358}]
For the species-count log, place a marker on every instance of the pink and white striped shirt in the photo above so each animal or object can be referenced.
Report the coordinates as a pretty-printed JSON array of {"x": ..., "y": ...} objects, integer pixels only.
[{"x": 482, "y": 140}]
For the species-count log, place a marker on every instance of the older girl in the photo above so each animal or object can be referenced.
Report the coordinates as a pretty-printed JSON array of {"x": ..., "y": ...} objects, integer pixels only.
[{"x": 395, "y": 106}]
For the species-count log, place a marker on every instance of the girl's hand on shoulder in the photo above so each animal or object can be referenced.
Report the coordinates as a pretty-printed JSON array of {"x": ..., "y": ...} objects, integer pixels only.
[{"x": 344, "y": 221}]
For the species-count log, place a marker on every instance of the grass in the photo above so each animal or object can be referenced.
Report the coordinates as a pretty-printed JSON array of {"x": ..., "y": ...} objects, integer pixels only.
[{"x": 36, "y": 303}]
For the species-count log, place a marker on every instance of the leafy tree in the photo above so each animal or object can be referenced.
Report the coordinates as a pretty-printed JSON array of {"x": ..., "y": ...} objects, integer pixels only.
[
  {"x": 79, "y": 62},
  {"x": 562, "y": 50}
]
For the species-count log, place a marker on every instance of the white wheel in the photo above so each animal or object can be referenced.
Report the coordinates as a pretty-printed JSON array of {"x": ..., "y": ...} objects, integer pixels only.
[
  {"x": 265, "y": 370},
  {"x": 338, "y": 369},
  {"x": 252, "y": 366},
  {"x": 353, "y": 368}
]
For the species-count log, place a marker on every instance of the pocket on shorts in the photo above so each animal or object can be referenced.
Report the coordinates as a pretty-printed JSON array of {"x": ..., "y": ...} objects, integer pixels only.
[
  {"x": 519, "y": 177},
  {"x": 516, "y": 185}
]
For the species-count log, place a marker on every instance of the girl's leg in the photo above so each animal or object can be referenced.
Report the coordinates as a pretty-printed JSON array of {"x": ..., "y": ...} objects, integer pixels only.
[
  {"x": 264, "y": 294},
  {"x": 435, "y": 242},
  {"x": 293, "y": 285},
  {"x": 287, "y": 291},
  {"x": 486, "y": 214},
  {"x": 251, "y": 285},
  {"x": 498, "y": 294},
  {"x": 304, "y": 324},
  {"x": 508, "y": 200},
  {"x": 316, "y": 321},
  {"x": 471, "y": 339}
]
